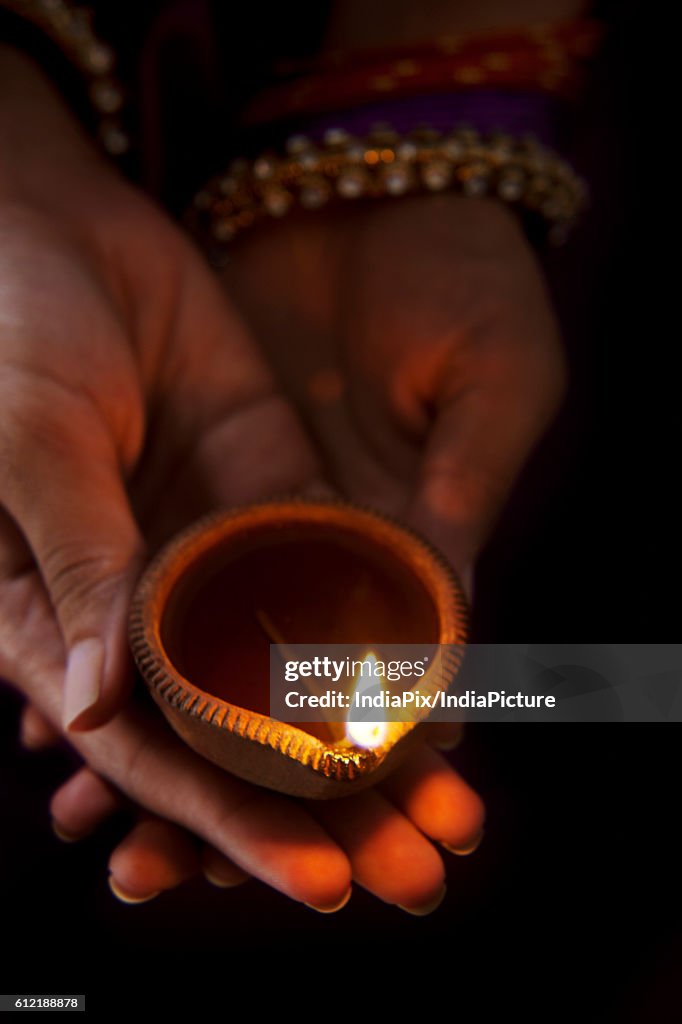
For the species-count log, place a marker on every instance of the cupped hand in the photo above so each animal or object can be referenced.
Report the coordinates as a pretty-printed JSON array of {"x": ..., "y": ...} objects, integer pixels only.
[
  {"x": 385, "y": 839},
  {"x": 418, "y": 341},
  {"x": 157, "y": 855},
  {"x": 131, "y": 401}
]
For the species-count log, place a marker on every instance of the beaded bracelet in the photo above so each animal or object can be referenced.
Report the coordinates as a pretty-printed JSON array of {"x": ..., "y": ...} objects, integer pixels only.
[
  {"x": 522, "y": 173},
  {"x": 70, "y": 27}
]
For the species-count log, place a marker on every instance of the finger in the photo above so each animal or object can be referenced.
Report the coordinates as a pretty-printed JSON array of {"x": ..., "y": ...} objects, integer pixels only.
[
  {"x": 73, "y": 511},
  {"x": 483, "y": 434},
  {"x": 82, "y": 803},
  {"x": 469, "y": 465},
  {"x": 252, "y": 453},
  {"x": 437, "y": 800},
  {"x": 246, "y": 455},
  {"x": 224, "y": 437},
  {"x": 266, "y": 835},
  {"x": 356, "y": 469},
  {"x": 86, "y": 800},
  {"x": 154, "y": 857},
  {"x": 35, "y": 732},
  {"x": 30, "y": 641},
  {"x": 390, "y": 857},
  {"x": 220, "y": 870}
]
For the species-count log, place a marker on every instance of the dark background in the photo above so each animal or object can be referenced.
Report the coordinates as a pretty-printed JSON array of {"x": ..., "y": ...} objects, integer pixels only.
[{"x": 572, "y": 902}]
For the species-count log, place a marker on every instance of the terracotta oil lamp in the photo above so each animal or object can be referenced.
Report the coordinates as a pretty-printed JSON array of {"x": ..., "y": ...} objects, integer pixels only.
[{"x": 210, "y": 605}]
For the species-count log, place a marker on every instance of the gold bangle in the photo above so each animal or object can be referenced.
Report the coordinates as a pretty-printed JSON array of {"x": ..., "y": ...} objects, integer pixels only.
[
  {"x": 520, "y": 172},
  {"x": 70, "y": 27}
]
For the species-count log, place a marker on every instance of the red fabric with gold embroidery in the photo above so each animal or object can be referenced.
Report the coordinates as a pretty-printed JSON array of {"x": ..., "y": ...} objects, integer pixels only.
[{"x": 546, "y": 57}]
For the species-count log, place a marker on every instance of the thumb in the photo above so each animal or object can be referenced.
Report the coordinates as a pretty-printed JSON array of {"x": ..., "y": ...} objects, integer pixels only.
[
  {"x": 477, "y": 446},
  {"x": 63, "y": 487}
]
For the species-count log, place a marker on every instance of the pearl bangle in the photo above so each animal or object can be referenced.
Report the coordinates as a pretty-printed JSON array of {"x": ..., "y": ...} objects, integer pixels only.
[
  {"x": 522, "y": 173},
  {"x": 70, "y": 27}
]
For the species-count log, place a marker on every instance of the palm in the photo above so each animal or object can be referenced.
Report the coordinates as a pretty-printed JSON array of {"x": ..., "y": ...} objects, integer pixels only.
[{"x": 418, "y": 343}]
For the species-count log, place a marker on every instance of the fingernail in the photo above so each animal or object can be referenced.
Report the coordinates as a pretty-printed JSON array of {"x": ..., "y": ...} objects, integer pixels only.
[
  {"x": 83, "y": 679},
  {"x": 464, "y": 851},
  {"x": 222, "y": 883},
  {"x": 66, "y": 837},
  {"x": 448, "y": 745},
  {"x": 426, "y": 908},
  {"x": 125, "y": 897},
  {"x": 332, "y": 909}
]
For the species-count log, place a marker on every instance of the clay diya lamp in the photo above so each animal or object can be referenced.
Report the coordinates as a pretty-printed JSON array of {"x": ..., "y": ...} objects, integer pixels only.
[{"x": 210, "y": 605}]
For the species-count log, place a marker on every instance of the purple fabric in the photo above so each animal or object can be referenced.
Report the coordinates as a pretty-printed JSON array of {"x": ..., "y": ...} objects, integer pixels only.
[{"x": 515, "y": 113}]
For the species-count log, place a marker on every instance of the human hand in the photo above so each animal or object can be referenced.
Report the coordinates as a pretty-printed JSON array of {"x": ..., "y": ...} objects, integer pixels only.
[
  {"x": 131, "y": 398},
  {"x": 418, "y": 341},
  {"x": 132, "y": 401},
  {"x": 385, "y": 839}
]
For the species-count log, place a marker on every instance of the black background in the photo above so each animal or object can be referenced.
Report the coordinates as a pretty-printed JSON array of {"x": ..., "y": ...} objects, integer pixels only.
[{"x": 572, "y": 902}]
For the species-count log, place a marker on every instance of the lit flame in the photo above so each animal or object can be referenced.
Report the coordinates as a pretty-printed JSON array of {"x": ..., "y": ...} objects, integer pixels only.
[{"x": 365, "y": 734}]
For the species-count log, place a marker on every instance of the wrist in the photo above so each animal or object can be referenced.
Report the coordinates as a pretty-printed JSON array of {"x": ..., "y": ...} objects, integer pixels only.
[
  {"x": 541, "y": 187},
  {"x": 47, "y": 157}
]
